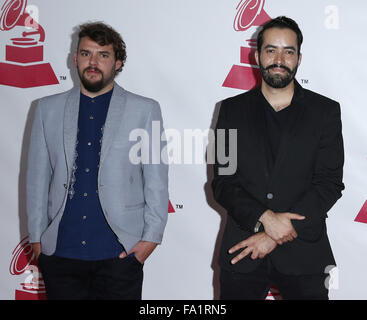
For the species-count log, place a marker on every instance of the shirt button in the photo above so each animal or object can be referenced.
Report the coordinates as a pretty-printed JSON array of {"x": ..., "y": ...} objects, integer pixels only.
[
  {"x": 84, "y": 217},
  {"x": 84, "y": 243},
  {"x": 92, "y": 101},
  {"x": 91, "y": 117},
  {"x": 85, "y": 194},
  {"x": 87, "y": 169},
  {"x": 270, "y": 196},
  {"x": 89, "y": 143}
]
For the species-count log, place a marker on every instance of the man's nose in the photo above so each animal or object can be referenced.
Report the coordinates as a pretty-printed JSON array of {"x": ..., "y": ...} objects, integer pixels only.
[
  {"x": 93, "y": 60},
  {"x": 279, "y": 58}
]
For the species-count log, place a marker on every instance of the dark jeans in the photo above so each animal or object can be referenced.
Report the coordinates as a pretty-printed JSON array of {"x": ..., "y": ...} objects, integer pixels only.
[
  {"x": 255, "y": 285},
  {"x": 112, "y": 279}
]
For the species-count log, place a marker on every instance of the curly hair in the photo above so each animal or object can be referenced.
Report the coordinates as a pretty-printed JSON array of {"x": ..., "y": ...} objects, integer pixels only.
[{"x": 104, "y": 35}]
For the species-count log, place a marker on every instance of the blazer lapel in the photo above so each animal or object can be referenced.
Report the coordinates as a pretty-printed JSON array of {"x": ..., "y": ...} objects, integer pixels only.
[
  {"x": 71, "y": 126},
  {"x": 113, "y": 120}
]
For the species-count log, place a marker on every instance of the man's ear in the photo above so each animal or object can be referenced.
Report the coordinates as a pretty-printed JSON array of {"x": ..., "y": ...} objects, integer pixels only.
[
  {"x": 299, "y": 59},
  {"x": 257, "y": 57},
  {"x": 75, "y": 59},
  {"x": 119, "y": 64}
]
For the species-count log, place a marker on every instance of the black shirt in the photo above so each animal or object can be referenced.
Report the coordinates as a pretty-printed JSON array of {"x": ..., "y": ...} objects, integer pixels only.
[{"x": 275, "y": 122}]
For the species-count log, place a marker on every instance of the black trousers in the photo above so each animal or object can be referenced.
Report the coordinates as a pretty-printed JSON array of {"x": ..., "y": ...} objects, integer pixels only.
[
  {"x": 255, "y": 285},
  {"x": 112, "y": 279}
]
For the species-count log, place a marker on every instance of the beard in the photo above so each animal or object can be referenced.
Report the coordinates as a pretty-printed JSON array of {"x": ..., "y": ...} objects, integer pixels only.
[
  {"x": 277, "y": 81},
  {"x": 96, "y": 85}
]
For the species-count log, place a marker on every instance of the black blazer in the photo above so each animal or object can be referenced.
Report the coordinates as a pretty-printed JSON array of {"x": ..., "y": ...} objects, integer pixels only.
[{"x": 306, "y": 178}]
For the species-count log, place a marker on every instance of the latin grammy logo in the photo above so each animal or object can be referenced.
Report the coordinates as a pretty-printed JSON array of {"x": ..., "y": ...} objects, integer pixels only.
[
  {"x": 24, "y": 262},
  {"x": 362, "y": 214},
  {"x": 170, "y": 207},
  {"x": 249, "y": 13},
  {"x": 24, "y": 66}
]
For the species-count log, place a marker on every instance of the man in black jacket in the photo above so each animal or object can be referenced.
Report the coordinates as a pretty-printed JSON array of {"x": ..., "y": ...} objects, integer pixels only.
[{"x": 289, "y": 174}]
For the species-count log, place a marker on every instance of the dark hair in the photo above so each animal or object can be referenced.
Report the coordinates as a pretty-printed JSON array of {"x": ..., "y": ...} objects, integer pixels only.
[
  {"x": 104, "y": 35},
  {"x": 281, "y": 22}
]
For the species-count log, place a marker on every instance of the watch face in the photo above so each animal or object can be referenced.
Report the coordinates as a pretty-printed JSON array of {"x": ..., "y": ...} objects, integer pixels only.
[{"x": 257, "y": 226}]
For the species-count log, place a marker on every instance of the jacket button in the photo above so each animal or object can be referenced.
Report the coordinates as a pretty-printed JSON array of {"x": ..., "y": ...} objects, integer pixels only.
[
  {"x": 270, "y": 196},
  {"x": 65, "y": 186}
]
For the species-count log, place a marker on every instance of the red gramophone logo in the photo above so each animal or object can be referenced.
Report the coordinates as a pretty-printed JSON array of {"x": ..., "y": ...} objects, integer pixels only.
[
  {"x": 24, "y": 264},
  {"x": 247, "y": 75},
  {"x": 273, "y": 294},
  {"x": 170, "y": 207},
  {"x": 24, "y": 66},
  {"x": 362, "y": 214}
]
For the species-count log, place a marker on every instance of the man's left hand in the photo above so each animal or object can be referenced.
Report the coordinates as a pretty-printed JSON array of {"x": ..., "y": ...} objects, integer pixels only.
[
  {"x": 260, "y": 244},
  {"x": 142, "y": 251}
]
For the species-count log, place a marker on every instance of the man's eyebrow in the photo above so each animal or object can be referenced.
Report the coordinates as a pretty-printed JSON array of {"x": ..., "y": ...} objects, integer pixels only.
[
  {"x": 103, "y": 51},
  {"x": 270, "y": 46},
  {"x": 275, "y": 47},
  {"x": 290, "y": 48}
]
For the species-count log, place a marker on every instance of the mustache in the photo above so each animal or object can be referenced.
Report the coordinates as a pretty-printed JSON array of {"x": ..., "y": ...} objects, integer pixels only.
[
  {"x": 278, "y": 66},
  {"x": 91, "y": 69}
]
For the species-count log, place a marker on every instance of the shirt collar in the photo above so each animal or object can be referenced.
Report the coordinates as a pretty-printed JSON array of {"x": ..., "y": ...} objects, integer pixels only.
[
  {"x": 298, "y": 91},
  {"x": 103, "y": 98}
]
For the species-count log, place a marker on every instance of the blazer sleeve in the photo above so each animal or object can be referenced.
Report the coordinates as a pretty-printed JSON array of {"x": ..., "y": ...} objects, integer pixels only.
[
  {"x": 38, "y": 178},
  {"x": 327, "y": 178},
  {"x": 227, "y": 189},
  {"x": 155, "y": 175}
]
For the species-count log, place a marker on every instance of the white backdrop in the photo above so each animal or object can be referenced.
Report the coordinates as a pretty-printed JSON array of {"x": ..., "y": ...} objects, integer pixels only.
[{"x": 179, "y": 53}]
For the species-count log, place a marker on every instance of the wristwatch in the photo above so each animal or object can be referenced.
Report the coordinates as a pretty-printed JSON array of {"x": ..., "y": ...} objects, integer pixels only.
[{"x": 257, "y": 227}]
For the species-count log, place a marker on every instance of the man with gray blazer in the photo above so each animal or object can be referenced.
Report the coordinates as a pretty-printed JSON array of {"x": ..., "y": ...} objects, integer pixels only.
[{"x": 94, "y": 213}]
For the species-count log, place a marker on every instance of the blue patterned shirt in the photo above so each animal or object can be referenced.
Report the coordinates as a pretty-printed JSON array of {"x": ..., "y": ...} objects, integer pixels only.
[{"x": 84, "y": 233}]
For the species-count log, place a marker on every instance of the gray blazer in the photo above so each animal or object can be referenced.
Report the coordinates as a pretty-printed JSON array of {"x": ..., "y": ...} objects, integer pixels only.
[{"x": 134, "y": 197}]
